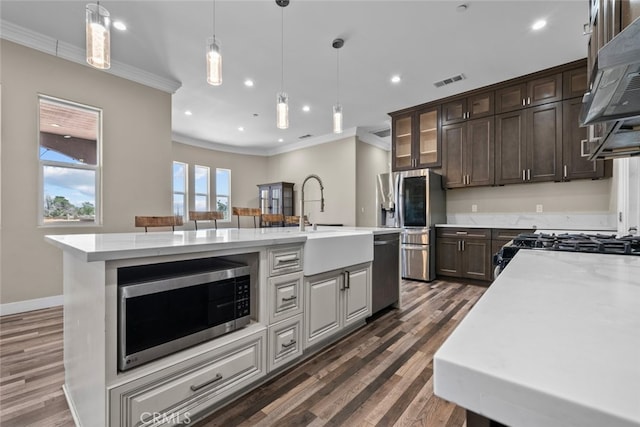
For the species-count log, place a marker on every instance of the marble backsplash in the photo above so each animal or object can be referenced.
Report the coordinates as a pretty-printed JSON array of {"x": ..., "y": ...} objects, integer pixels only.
[{"x": 552, "y": 221}]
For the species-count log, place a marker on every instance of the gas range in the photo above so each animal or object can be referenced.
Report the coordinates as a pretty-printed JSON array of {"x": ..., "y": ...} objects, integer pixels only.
[{"x": 568, "y": 242}]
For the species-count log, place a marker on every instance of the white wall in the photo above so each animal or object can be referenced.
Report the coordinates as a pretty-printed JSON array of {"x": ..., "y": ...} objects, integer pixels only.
[
  {"x": 370, "y": 161},
  {"x": 136, "y": 157}
]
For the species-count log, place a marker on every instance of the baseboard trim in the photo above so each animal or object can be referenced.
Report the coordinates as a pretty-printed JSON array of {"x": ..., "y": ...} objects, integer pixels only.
[
  {"x": 72, "y": 406},
  {"x": 30, "y": 305}
]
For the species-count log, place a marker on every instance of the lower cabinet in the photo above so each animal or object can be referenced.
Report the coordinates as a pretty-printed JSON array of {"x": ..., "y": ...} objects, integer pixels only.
[
  {"x": 464, "y": 253},
  {"x": 336, "y": 300},
  {"x": 176, "y": 395},
  {"x": 285, "y": 342}
]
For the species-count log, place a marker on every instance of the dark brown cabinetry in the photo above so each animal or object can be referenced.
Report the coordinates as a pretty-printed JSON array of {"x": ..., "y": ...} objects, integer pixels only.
[
  {"x": 534, "y": 92},
  {"x": 276, "y": 198},
  {"x": 467, "y": 152},
  {"x": 464, "y": 252},
  {"x": 469, "y": 108},
  {"x": 576, "y": 164},
  {"x": 502, "y": 236},
  {"x": 574, "y": 83},
  {"x": 529, "y": 145},
  {"x": 415, "y": 139}
]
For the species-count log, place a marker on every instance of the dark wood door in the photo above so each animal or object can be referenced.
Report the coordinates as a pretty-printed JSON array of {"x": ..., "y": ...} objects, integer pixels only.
[
  {"x": 544, "y": 142},
  {"x": 453, "y": 152},
  {"x": 510, "y": 144},
  {"x": 479, "y": 152},
  {"x": 575, "y": 165},
  {"x": 476, "y": 259},
  {"x": 511, "y": 98},
  {"x": 454, "y": 111},
  {"x": 574, "y": 83},
  {"x": 448, "y": 257},
  {"x": 480, "y": 105},
  {"x": 544, "y": 90}
]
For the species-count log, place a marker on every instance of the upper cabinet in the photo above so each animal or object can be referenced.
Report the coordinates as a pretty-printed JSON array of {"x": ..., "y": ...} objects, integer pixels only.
[
  {"x": 530, "y": 93},
  {"x": 416, "y": 140},
  {"x": 472, "y": 107}
]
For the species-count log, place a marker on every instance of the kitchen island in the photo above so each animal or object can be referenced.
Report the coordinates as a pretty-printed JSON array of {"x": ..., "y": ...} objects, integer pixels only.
[
  {"x": 553, "y": 342},
  {"x": 307, "y": 290}
]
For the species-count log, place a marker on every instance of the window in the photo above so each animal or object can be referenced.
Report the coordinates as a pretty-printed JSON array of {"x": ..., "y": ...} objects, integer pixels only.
[
  {"x": 201, "y": 184},
  {"x": 223, "y": 192},
  {"x": 69, "y": 150},
  {"x": 180, "y": 189}
]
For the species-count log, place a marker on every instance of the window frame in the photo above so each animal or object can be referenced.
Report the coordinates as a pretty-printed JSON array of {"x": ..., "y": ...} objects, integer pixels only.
[
  {"x": 207, "y": 195},
  {"x": 97, "y": 168},
  {"x": 228, "y": 196},
  {"x": 185, "y": 194}
]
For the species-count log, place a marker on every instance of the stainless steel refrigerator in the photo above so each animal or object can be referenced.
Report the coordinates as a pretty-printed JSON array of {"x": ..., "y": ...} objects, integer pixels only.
[{"x": 420, "y": 204}]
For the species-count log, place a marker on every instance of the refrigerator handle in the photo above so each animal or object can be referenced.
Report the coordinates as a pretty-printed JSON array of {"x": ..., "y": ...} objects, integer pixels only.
[{"x": 399, "y": 186}]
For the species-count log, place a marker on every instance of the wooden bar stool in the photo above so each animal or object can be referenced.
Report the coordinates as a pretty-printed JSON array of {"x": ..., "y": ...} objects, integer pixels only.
[
  {"x": 268, "y": 220},
  {"x": 158, "y": 221},
  {"x": 294, "y": 220},
  {"x": 254, "y": 212},
  {"x": 214, "y": 216}
]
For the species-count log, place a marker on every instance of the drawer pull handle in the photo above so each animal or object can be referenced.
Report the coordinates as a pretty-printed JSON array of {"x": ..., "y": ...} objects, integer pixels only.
[
  {"x": 218, "y": 377},
  {"x": 287, "y": 259},
  {"x": 292, "y": 342},
  {"x": 461, "y": 233},
  {"x": 291, "y": 298}
]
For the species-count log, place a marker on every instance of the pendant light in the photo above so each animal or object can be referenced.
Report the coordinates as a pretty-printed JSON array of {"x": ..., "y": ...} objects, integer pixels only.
[
  {"x": 98, "y": 36},
  {"x": 337, "y": 109},
  {"x": 282, "y": 99},
  {"x": 214, "y": 57}
]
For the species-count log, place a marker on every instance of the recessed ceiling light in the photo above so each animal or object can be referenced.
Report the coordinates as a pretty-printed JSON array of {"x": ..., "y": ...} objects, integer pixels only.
[
  {"x": 188, "y": 113},
  {"x": 119, "y": 25},
  {"x": 240, "y": 128},
  {"x": 55, "y": 125},
  {"x": 539, "y": 24},
  {"x": 462, "y": 7},
  {"x": 306, "y": 108},
  {"x": 67, "y": 136},
  {"x": 395, "y": 79},
  {"x": 280, "y": 140},
  {"x": 248, "y": 83}
]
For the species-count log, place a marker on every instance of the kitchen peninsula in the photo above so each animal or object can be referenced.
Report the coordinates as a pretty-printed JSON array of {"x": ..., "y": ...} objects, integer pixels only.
[{"x": 307, "y": 290}]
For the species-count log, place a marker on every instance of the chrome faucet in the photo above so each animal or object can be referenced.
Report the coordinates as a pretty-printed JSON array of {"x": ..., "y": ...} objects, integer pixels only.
[{"x": 302, "y": 198}]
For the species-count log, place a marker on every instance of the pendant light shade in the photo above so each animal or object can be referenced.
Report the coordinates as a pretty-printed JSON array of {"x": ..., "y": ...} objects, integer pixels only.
[
  {"x": 337, "y": 108},
  {"x": 282, "y": 99},
  {"x": 98, "y": 36},
  {"x": 214, "y": 56},
  {"x": 214, "y": 62}
]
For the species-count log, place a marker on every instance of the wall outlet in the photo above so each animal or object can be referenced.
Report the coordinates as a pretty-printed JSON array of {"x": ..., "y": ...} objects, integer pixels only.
[
  {"x": 538, "y": 208},
  {"x": 474, "y": 208}
]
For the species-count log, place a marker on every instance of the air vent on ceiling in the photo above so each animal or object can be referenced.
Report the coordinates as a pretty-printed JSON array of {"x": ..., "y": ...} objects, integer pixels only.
[
  {"x": 382, "y": 133},
  {"x": 449, "y": 80},
  {"x": 305, "y": 136}
]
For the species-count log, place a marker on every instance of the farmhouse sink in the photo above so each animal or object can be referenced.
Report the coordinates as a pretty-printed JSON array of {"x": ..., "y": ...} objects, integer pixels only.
[{"x": 327, "y": 250}]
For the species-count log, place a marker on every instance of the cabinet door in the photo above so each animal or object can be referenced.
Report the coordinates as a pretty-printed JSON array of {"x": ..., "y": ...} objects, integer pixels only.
[
  {"x": 453, "y": 137},
  {"x": 322, "y": 307},
  {"x": 480, "y": 105},
  {"x": 402, "y": 143},
  {"x": 427, "y": 148},
  {"x": 356, "y": 296},
  {"x": 574, "y": 83},
  {"x": 448, "y": 257},
  {"x": 575, "y": 165},
  {"x": 263, "y": 197},
  {"x": 454, "y": 111},
  {"x": 476, "y": 259},
  {"x": 479, "y": 156},
  {"x": 544, "y": 90},
  {"x": 510, "y": 148},
  {"x": 544, "y": 142},
  {"x": 275, "y": 199},
  {"x": 511, "y": 98}
]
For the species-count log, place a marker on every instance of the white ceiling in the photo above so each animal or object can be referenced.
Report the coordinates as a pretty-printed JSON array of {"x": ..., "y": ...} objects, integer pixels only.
[{"x": 422, "y": 41}]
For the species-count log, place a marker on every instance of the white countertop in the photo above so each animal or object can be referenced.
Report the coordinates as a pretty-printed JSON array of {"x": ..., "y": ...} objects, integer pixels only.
[
  {"x": 555, "y": 341},
  {"x": 112, "y": 246}
]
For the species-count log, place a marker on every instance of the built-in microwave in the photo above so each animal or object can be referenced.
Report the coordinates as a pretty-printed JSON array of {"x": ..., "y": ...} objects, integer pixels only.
[{"x": 164, "y": 308}]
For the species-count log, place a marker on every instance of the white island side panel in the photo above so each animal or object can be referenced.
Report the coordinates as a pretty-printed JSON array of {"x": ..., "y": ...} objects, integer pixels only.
[{"x": 555, "y": 341}]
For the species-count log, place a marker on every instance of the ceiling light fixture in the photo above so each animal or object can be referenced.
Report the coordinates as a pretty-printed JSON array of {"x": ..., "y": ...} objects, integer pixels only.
[
  {"x": 248, "y": 83},
  {"x": 214, "y": 57},
  {"x": 280, "y": 140},
  {"x": 188, "y": 113},
  {"x": 119, "y": 25},
  {"x": 282, "y": 99},
  {"x": 337, "y": 109},
  {"x": 539, "y": 24},
  {"x": 306, "y": 108},
  {"x": 395, "y": 79},
  {"x": 98, "y": 36}
]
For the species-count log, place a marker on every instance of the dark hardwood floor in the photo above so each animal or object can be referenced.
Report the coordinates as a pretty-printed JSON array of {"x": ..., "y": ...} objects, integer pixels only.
[{"x": 379, "y": 376}]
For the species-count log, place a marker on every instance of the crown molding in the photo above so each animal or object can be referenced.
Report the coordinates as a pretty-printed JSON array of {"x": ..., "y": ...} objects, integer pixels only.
[
  {"x": 34, "y": 40},
  {"x": 201, "y": 143},
  {"x": 371, "y": 139},
  {"x": 310, "y": 142}
]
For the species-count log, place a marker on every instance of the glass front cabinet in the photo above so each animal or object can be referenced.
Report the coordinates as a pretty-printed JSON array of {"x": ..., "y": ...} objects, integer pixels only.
[
  {"x": 276, "y": 198},
  {"x": 416, "y": 140}
]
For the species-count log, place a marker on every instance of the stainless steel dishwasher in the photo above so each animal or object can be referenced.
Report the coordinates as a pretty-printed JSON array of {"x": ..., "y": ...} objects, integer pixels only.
[{"x": 385, "y": 284}]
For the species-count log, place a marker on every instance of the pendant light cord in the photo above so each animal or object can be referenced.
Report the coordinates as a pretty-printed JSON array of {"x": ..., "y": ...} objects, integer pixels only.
[
  {"x": 214, "y": 21},
  {"x": 282, "y": 49},
  {"x": 338, "y": 76}
]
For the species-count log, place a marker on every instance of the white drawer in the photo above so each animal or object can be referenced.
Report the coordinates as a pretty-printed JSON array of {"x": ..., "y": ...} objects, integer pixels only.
[
  {"x": 178, "y": 397},
  {"x": 285, "y": 342},
  {"x": 285, "y": 260},
  {"x": 285, "y": 296}
]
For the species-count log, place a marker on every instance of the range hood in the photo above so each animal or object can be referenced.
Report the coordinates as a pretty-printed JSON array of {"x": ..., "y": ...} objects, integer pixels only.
[{"x": 613, "y": 103}]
